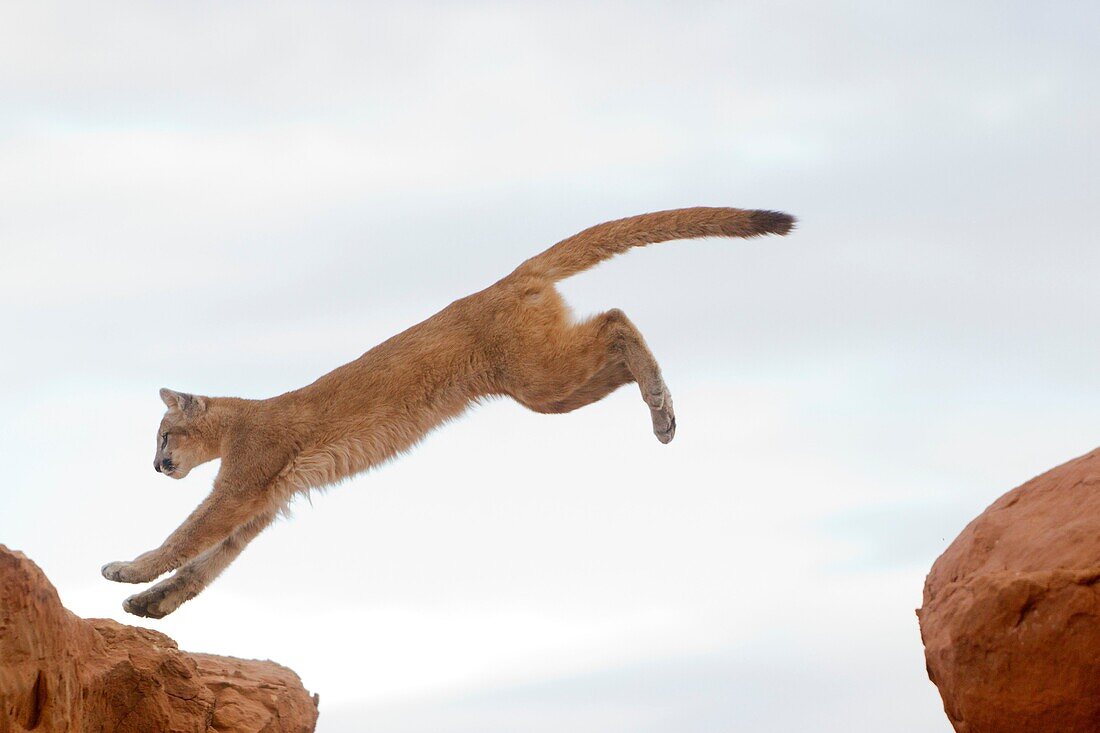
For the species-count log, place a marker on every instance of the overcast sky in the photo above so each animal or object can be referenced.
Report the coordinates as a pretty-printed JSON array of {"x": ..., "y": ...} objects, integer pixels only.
[{"x": 234, "y": 199}]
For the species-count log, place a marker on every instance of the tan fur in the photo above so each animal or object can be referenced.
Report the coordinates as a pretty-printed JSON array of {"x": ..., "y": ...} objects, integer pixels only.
[{"x": 513, "y": 339}]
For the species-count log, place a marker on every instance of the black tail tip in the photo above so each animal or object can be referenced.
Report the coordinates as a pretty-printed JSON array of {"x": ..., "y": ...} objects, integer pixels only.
[{"x": 772, "y": 222}]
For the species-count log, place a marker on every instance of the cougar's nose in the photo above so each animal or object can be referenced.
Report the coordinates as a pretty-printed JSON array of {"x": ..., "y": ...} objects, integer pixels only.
[{"x": 156, "y": 466}]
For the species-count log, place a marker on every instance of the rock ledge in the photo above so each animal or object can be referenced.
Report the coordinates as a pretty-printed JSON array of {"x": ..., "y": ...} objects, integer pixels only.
[
  {"x": 1011, "y": 612},
  {"x": 59, "y": 672}
]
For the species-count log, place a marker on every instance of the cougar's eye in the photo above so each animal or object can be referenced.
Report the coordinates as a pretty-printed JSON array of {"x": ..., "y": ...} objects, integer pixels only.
[{"x": 164, "y": 441}]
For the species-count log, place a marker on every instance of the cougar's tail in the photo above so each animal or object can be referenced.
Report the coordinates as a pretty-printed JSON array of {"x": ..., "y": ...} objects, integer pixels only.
[{"x": 595, "y": 244}]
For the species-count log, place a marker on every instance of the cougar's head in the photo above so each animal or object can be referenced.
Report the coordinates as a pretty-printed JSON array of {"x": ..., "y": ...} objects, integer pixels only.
[{"x": 187, "y": 436}]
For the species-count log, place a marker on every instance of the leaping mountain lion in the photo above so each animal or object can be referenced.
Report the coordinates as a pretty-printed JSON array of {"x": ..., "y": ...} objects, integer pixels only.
[{"x": 514, "y": 338}]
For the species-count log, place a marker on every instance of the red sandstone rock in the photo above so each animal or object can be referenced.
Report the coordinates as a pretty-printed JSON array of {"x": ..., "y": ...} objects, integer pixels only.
[
  {"x": 61, "y": 673},
  {"x": 1011, "y": 614}
]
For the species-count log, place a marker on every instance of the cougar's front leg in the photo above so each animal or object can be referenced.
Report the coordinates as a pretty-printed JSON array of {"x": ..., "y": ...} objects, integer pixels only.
[
  {"x": 190, "y": 580},
  {"x": 215, "y": 518}
]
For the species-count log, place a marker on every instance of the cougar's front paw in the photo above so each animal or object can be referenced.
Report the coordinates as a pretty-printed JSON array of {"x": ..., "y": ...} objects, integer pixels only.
[
  {"x": 116, "y": 571},
  {"x": 157, "y": 602},
  {"x": 123, "y": 572}
]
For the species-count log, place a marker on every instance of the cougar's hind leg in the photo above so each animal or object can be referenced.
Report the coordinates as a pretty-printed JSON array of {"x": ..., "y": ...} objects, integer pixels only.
[
  {"x": 624, "y": 341},
  {"x": 583, "y": 363},
  {"x": 605, "y": 381}
]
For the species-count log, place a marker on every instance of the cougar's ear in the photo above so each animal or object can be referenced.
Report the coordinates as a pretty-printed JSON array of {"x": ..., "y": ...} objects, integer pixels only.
[
  {"x": 187, "y": 403},
  {"x": 170, "y": 398}
]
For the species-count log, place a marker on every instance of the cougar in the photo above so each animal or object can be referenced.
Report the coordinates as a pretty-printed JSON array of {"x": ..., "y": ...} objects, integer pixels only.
[{"x": 516, "y": 338}]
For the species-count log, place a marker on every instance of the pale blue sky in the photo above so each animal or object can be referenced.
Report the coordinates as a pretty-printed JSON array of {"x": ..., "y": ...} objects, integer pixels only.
[{"x": 236, "y": 199}]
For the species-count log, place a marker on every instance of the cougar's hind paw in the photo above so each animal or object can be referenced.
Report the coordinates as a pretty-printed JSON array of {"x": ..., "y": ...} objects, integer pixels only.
[
  {"x": 664, "y": 419},
  {"x": 666, "y": 435}
]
